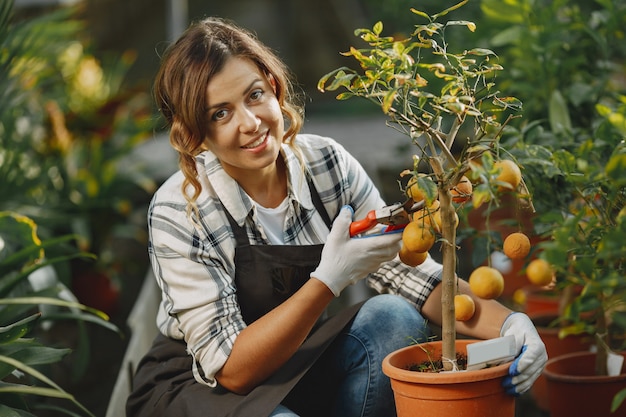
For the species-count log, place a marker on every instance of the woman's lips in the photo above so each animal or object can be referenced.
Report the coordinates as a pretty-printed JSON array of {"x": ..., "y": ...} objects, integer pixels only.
[{"x": 256, "y": 143}]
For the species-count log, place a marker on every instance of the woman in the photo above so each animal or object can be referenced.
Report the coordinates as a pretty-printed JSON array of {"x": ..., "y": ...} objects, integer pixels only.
[{"x": 249, "y": 243}]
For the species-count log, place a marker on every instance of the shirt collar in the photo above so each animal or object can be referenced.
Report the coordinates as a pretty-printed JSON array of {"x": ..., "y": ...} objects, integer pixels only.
[{"x": 238, "y": 203}]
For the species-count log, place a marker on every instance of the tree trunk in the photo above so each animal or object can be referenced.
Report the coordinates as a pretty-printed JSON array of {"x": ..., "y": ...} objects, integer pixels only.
[{"x": 448, "y": 278}]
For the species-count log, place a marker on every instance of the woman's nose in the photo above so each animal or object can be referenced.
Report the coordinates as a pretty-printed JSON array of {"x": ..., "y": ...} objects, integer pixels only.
[{"x": 249, "y": 122}]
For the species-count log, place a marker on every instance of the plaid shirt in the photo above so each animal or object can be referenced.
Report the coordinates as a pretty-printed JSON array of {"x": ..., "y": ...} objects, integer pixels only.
[{"x": 194, "y": 263}]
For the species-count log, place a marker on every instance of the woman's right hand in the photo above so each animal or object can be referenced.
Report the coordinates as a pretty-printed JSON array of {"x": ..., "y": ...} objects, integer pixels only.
[{"x": 346, "y": 260}]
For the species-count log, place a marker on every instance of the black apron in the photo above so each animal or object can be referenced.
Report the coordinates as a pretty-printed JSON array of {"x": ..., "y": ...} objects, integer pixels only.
[{"x": 265, "y": 276}]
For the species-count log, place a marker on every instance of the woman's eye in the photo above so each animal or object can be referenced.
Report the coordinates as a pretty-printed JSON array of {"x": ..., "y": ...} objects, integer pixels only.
[
  {"x": 256, "y": 95},
  {"x": 219, "y": 115}
]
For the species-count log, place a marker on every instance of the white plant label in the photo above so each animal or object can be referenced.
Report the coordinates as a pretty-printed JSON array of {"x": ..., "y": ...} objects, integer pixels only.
[{"x": 614, "y": 364}]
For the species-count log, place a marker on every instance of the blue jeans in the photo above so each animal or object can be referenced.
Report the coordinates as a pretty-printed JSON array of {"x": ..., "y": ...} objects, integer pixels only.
[{"x": 353, "y": 362}]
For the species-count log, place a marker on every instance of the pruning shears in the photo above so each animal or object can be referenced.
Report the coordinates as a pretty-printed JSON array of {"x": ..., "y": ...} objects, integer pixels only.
[{"x": 395, "y": 216}]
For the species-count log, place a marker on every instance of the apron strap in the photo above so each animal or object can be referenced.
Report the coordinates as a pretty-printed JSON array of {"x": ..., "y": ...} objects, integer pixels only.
[{"x": 240, "y": 232}]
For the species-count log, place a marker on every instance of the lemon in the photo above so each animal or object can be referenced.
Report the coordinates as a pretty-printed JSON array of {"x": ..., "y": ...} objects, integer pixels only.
[
  {"x": 509, "y": 173},
  {"x": 486, "y": 282},
  {"x": 539, "y": 272},
  {"x": 464, "y": 307},
  {"x": 412, "y": 258},
  {"x": 516, "y": 245},
  {"x": 417, "y": 238}
]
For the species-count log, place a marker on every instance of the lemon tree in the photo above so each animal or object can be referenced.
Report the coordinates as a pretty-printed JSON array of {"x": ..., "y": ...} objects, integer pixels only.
[{"x": 431, "y": 93}]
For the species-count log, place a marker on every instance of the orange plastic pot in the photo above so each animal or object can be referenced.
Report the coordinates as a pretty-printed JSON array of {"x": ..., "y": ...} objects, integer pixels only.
[
  {"x": 538, "y": 301},
  {"x": 575, "y": 390},
  {"x": 463, "y": 393},
  {"x": 555, "y": 346}
]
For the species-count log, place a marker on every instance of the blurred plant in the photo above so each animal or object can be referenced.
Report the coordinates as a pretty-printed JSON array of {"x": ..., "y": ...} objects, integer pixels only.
[
  {"x": 566, "y": 58},
  {"x": 586, "y": 243},
  {"x": 571, "y": 56},
  {"x": 68, "y": 128},
  {"x": 25, "y": 300}
]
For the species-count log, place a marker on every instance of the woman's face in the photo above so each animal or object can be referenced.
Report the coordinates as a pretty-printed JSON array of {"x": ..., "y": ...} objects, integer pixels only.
[{"x": 246, "y": 124}]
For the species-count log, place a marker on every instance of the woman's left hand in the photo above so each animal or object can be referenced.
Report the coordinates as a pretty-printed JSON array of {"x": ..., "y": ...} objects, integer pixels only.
[{"x": 531, "y": 358}]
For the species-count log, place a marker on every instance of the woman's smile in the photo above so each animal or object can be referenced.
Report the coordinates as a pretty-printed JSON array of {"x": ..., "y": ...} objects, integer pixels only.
[{"x": 262, "y": 140}]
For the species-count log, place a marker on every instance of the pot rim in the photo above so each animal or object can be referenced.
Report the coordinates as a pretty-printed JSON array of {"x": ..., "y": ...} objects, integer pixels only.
[
  {"x": 563, "y": 377},
  {"x": 441, "y": 377}
]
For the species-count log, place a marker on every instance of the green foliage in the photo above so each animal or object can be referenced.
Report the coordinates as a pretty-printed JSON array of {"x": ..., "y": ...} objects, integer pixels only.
[
  {"x": 437, "y": 93},
  {"x": 564, "y": 51},
  {"x": 423, "y": 86},
  {"x": 568, "y": 68},
  {"x": 21, "y": 254},
  {"x": 66, "y": 126}
]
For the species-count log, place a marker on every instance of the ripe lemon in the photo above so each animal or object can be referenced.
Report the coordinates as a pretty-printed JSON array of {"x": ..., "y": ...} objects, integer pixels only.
[
  {"x": 425, "y": 189},
  {"x": 417, "y": 238},
  {"x": 516, "y": 245},
  {"x": 462, "y": 191},
  {"x": 509, "y": 173},
  {"x": 424, "y": 217},
  {"x": 434, "y": 206},
  {"x": 414, "y": 191},
  {"x": 539, "y": 272},
  {"x": 412, "y": 258},
  {"x": 464, "y": 307},
  {"x": 486, "y": 282},
  {"x": 519, "y": 297},
  {"x": 437, "y": 219}
]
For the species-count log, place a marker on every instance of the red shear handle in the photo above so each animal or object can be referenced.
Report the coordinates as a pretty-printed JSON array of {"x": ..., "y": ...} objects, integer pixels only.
[
  {"x": 359, "y": 226},
  {"x": 393, "y": 227}
]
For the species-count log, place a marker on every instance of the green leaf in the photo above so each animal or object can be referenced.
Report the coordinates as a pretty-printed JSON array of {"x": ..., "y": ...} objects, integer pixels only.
[
  {"x": 505, "y": 11},
  {"x": 388, "y": 100},
  {"x": 449, "y": 9},
  {"x": 558, "y": 113},
  {"x": 7, "y": 411},
  {"x": 55, "y": 392},
  {"x": 420, "y": 13},
  {"x": 508, "y": 36},
  {"x": 52, "y": 301},
  {"x": 481, "y": 52},
  {"x": 378, "y": 28},
  {"x": 18, "y": 329},
  {"x": 31, "y": 353},
  {"x": 616, "y": 168},
  {"x": 618, "y": 400}
]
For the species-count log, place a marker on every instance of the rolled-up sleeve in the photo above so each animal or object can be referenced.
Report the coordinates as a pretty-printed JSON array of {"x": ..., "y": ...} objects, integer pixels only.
[
  {"x": 195, "y": 273},
  {"x": 413, "y": 283}
]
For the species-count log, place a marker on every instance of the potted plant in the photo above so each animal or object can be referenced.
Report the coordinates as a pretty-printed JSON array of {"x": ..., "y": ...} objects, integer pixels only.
[
  {"x": 587, "y": 250},
  {"x": 445, "y": 101},
  {"x": 571, "y": 151}
]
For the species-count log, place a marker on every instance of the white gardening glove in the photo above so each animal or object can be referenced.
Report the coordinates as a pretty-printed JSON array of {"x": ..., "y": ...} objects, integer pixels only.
[
  {"x": 531, "y": 357},
  {"x": 346, "y": 260}
]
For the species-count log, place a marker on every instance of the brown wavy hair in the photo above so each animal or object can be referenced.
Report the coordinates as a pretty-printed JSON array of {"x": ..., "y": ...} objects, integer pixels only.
[{"x": 180, "y": 87}]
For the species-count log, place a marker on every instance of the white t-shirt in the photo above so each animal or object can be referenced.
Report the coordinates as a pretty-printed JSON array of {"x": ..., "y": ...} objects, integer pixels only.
[{"x": 273, "y": 221}]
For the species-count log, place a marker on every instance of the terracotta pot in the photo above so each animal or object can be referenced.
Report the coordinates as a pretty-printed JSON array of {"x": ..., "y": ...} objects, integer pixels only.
[
  {"x": 575, "y": 391},
  {"x": 464, "y": 393},
  {"x": 555, "y": 346},
  {"x": 538, "y": 301}
]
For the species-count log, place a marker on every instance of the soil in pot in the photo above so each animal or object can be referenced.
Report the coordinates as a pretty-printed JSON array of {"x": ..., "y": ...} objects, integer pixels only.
[
  {"x": 444, "y": 394},
  {"x": 575, "y": 390}
]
